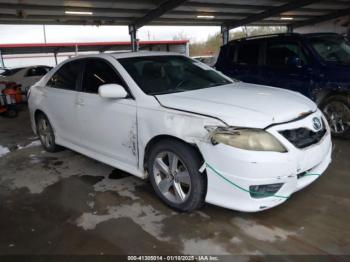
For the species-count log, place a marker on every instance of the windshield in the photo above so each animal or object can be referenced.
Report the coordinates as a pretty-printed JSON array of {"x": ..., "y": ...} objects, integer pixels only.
[
  {"x": 332, "y": 48},
  {"x": 157, "y": 75},
  {"x": 10, "y": 72}
]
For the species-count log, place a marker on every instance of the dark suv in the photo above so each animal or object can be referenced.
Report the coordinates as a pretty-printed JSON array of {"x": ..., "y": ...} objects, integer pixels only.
[{"x": 316, "y": 65}]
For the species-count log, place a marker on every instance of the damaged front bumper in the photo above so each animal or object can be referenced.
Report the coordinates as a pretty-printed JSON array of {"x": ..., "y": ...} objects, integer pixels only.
[{"x": 234, "y": 175}]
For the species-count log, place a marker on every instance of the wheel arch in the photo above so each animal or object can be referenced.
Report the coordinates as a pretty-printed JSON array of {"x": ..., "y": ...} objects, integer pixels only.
[
  {"x": 322, "y": 95},
  {"x": 159, "y": 138},
  {"x": 154, "y": 140},
  {"x": 37, "y": 113}
]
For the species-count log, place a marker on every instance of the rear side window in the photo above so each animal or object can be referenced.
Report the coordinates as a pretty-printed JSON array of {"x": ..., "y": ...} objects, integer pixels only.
[
  {"x": 248, "y": 54},
  {"x": 10, "y": 72},
  {"x": 66, "y": 77},
  {"x": 37, "y": 71},
  {"x": 97, "y": 73},
  {"x": 279, "y": 53}
]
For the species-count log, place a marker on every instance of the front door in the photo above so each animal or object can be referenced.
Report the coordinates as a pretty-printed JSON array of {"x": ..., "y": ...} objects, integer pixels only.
[
  {"x": 246, "y": 62},
  {"x": 108, "y": 126},
  {"x": 286, "y": 66}
]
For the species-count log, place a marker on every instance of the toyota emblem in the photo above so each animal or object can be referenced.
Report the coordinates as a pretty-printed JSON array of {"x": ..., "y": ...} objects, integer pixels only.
[{"x": 316, "y": 123}]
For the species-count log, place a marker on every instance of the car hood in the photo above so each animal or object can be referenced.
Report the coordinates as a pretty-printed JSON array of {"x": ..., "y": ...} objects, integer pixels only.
[{"x": 242, "y": 104}]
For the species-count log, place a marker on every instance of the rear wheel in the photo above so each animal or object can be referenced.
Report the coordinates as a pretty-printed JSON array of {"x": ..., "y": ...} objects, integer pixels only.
[
  {"x": 46, "y": 134},
  {"x": 337, "y": 111},
  {"x": 173, "y": 168},
  {"x": 11, "y": 113}
]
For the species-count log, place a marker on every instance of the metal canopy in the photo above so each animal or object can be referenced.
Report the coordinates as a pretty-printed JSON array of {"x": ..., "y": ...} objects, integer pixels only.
[
  {"x": 232, "y": 13},
  {"x": 228, "y": 14}
]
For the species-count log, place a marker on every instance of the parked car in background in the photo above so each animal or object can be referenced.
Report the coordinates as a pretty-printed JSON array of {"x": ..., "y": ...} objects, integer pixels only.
[
  {"x": 198, "y": 135},
  {"x": 2, "y": 70},
  {"x": 316, "y": 65},
  {"x": 207, "y": 59},
  {"x": 25, "y": 77}
]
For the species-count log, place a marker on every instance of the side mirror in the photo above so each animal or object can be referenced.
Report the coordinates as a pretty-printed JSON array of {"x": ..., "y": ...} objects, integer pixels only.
[
  {"x": 112, "y": 91},
  {"x": 294, "y": 61}
]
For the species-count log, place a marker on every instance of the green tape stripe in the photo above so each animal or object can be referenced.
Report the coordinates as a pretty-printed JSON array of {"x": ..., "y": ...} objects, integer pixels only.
[
  {"x": 308, "y": 174},
  {"x": 249, "y": 191},
  {"x": 241, "y": 188}
]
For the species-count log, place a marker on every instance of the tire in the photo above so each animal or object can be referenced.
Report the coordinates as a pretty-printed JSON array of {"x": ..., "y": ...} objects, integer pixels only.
[
  {"x": 182, "y": 187},
  {"x": 11, "y": 113},
  {"x": 46, "y": 134},
  {"x": 337, "y": 112}
]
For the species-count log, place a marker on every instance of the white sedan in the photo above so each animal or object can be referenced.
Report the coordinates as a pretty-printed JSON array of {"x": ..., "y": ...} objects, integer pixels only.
[
  {"x": 196, "y": 134},
  {"x": 25, "y": 77}
]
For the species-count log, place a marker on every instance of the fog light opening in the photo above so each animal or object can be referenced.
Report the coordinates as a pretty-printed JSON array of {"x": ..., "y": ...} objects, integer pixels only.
[{"x": 261, "y": 191}]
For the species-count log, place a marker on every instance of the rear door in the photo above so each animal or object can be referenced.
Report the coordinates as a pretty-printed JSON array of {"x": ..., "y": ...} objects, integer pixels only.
[
  {"x": 247, "y": 59},
  {"x": 61, "y": 94},
  {"x": 286, "y": 66},
  {"x": 107, "y": 126}
]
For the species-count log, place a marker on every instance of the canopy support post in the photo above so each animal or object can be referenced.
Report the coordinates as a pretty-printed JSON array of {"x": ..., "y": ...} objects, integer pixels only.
[
  {"x": 2, "y": 63},
  {"x": 225, "y": 33},
  {"x": 133, "y": 38}
]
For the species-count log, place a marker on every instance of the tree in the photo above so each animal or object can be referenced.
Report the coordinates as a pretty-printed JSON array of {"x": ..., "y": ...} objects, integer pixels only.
[{"x": 212, "y": 45}]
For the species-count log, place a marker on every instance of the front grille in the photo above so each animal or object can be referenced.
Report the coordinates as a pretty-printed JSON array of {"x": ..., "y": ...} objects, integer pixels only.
[{"x": 303, "y": 137}]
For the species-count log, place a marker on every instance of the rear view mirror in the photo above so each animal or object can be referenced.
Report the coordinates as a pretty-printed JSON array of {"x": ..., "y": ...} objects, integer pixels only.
[
  {"x": 112, "y": 91},
  {"x": 294, "y": 61}
]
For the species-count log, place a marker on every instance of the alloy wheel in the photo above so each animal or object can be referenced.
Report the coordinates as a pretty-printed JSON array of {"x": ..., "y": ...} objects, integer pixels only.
[
  {"x": 338, "y": 116},
  {"x": 172, "y": 177},
  {"x": 45, "y": 133}
]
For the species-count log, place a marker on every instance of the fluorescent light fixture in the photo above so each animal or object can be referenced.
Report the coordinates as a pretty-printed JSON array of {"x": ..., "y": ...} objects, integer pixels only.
[
  {"x": 286, "y": 18},
  {"x": 77, "y": 13},
  {"x": 205, "y": 16}
]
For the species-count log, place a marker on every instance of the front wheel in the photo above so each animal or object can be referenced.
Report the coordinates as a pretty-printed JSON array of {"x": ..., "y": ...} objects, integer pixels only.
[
  {"x": 173, "y": 167},
  {"x": 46, "y": 134},
  {"x": 337, "y": 112}
]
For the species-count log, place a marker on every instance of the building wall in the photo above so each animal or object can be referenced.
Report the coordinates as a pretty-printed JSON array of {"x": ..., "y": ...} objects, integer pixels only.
[
  {"x": 182, "y": 49},
  {"x": 340, "y": 25},
  {"x": 48, "y": 59}
]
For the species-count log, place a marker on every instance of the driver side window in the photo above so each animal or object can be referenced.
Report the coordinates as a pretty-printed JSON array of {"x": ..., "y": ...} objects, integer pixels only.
[
  {"x": 278, "y": 54},
  {"x": 97, "y": 73}
]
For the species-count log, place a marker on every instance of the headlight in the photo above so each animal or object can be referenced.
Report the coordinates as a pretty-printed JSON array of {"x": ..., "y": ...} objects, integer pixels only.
[{"x": 245, "y": 138}]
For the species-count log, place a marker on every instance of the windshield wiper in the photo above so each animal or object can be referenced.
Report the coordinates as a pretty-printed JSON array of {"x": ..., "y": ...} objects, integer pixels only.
[
  {"x": 218, "y": 84},
  {"x": 170, "y": 91}
]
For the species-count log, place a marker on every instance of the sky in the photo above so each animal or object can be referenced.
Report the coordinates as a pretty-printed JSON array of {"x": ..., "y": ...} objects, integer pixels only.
[
  {"x": 18, "y": 34},
  {"x": 34, "y": 33}
]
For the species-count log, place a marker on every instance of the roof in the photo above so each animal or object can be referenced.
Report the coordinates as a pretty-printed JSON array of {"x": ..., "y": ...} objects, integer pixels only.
[
  {"x": 33, "y": 48},
  {"x": 293, "y": 35},
  {"x": 229, "y": 13},
  {"x": 119, "y": 55},
  {"x": 142, "y": 54}
]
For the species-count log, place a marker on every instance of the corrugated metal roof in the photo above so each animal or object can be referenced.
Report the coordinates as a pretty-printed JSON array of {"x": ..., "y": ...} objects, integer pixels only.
[{"x": 170, "y": 12}]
